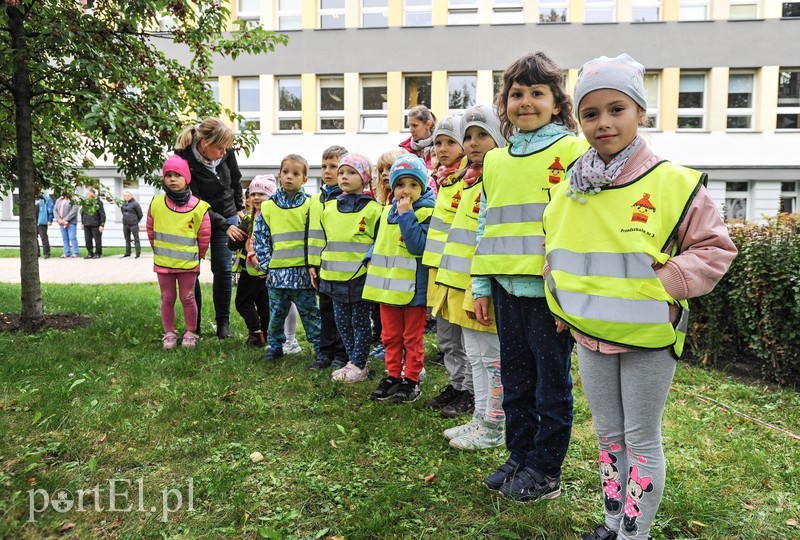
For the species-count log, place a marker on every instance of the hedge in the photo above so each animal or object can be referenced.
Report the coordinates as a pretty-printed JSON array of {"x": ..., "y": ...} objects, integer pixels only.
[{"x": 752, "y": 317}]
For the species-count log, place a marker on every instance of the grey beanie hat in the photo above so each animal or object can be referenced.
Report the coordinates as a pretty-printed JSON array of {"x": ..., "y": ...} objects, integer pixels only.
[
  {"x": 451, "y": 126},
  {"x": 622, "y": 73},
  {"x": 485, "y": 117}
]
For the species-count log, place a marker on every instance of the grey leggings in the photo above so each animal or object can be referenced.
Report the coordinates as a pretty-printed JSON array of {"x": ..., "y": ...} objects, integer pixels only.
[{"x": 626, "y": 394}]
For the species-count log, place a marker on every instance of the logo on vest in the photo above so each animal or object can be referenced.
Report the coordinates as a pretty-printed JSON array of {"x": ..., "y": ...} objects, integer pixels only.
[
  {"x": 642, "y": 209},
  {"x": 557, "y": 171},
  {"x": 476, "y": 208},
  {"x": 456, "y": 200},
  {"x": 362, "y": 225}
]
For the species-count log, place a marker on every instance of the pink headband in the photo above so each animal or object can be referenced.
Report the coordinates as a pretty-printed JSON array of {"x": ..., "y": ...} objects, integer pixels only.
[{"x": 360, "y": 164}]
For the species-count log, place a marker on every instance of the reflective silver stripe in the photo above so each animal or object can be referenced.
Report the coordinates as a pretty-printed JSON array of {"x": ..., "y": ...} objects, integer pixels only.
[
  {"x": 621, "y": 265},
  {"x": 389, "y": 284},
  {"x": 289, "y": 253},
  {"x": 511, "y": 245},
  {"x": 604, "y": 308},
  {"x": 314, "y": 250},
  {"x": 316, "y": 234},
  {"x": 175, "y": 239},
  {"x": 456, "y": 264},
  {"x": 347, "y": 247},
  {"x": 289, "y": 236},
  {"x": 434, "y": 246},
  {"x": 515, "y": 213},
  {"x": 175, "y": 254},
  {"x": 382, "y": 261},
  {"x": 341, "y": 266},
  {"x": 438, "y": 224},
  {"x": 683, "y": 322},
  {"x": 462, "y": 236}
]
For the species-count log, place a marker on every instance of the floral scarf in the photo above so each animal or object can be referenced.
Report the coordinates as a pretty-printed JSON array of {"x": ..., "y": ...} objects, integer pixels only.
[{"x": 590, "y": 174}]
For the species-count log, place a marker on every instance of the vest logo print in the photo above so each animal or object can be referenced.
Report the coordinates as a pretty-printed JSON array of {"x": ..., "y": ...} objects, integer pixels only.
[
  {"x": 362, "y": 225},
  {"x": 556, "y": 174},
  {"x": 642, "y": 209},
  {"x": 456, "y": 200},
  {"x": 476, "y": 208}
]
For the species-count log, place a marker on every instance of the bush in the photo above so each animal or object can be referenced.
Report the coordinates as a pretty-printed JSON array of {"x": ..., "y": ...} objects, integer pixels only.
[{"x": 753, "y": 315}]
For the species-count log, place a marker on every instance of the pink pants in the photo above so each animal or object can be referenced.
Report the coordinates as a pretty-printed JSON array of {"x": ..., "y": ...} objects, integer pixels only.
[{"x": 185, "y": 281}]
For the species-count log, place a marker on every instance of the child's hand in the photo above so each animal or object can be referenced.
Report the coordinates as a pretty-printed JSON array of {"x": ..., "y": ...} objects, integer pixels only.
[
  {"x": 403, "y": 205},
  {"x": 560, "y": 326},
  {"x": 313, "y": 273},
  {"x": 482, "y": 311}
]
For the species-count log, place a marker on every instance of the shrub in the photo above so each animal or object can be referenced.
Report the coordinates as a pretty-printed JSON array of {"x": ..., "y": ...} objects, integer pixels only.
[{"x": 753, "y": 315}]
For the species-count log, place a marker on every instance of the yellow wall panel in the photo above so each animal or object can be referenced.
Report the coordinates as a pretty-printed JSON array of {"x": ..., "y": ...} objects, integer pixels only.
[
  {"x": 394, "y": 98},
  {"x": 717, "y": 101},
  {"x": 309, "y": 84},
  {"x": 439, "y": 93},
  {"x": 395, "y": 12},
  {"x": 670, "y": 84},
  {"x": 226, "y": 95},
  {"x": 352, "y": 103},
  {"x": 767, "y": 98},
  {"x": 310, "y": 14}
]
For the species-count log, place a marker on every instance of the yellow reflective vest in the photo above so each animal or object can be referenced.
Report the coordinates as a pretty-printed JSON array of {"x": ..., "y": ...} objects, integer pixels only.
[
  {"x": 316, "y": 238},
  {"x": 392, "y": 273},
  {"x": 175, "y": 234},
  {"x": 447, "y": 202},
  {"x": 516, "y": 190},
  {"x": 287, "y": 227},
  {"x": 457, "y": 258},
  {"x": 601, "y": 257},
  {"x": 348, "y": 237}
]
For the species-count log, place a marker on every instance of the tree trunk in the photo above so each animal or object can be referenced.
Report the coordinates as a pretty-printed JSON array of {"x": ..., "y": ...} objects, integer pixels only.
[{"x": 32, "y": 311}]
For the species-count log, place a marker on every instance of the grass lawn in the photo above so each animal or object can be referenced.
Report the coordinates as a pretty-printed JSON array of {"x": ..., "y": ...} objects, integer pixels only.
[
  {"x": 13, "y": 253},
  {"x": 105, "y": 408}
]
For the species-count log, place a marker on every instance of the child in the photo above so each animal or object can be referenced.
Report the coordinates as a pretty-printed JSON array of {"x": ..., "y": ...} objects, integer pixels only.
[
  {"x": 252, "y": 298},
  {"x": 350, "y": 223},
  {"x": 279, "y": 244},
  {"x": 535, "y": 115},
  {"x": 421, "y": 123},
  {"x": 331, "y": 348},
  {"x": 179, "y": 230},
  {"x": 93, "y": 223},
  {"x": 397, "y": 280},
  {"x": 457, "y": 397},
  {"x": 641, "y": 248},
  {"x": 480, "y": 343}
]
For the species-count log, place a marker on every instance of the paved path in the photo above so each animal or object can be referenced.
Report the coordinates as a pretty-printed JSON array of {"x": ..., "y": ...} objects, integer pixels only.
[{"x": 112, "y": 269}]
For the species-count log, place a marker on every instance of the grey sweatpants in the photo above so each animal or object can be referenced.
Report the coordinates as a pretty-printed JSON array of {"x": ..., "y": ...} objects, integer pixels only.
[
  {"x": 626, "y": 394},
  {"x": 451, "y": 343}
]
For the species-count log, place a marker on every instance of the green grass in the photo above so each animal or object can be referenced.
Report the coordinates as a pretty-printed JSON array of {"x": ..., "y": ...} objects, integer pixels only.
[
  {"x": 106, "y": 402},
  {"x": 13, "y": 253}
]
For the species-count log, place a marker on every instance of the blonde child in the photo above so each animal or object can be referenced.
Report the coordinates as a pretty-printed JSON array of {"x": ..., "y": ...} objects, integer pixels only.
[
  {"x": 349, "y": 222},
  {"x": 643, "y": 235},
  {"x": 480, "y": 342},
  {"x": 179, "y": 230},
  {"x": 536, "y": 117},
  {"x": 397, "y": 280},
  {"x": 279, "y": 242}
]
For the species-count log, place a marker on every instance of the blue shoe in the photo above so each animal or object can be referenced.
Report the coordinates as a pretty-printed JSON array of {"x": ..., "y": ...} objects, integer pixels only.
[
  {"x": 529, "y": 485},
  {"x": 272, "y": 354},
  {"x": 378, "y": 352}
]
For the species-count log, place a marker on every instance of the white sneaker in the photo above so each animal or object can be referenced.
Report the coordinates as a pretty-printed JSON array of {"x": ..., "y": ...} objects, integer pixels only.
[
  {"x": 457, "y": 431},
  {"x": 292, "y": 347},
  {"x": 350, "y": 373},
  {"x": 485, "y": 435}
]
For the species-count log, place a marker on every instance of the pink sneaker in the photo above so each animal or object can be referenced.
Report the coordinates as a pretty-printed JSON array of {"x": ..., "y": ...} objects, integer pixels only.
[
  {"x": 170, "y": 341},
  {"x": 350, "y": 373},
  {"x": 189, "y": 340}
]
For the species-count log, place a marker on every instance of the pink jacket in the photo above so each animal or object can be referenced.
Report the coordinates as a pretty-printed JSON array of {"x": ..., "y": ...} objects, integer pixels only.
[
  {"x": 203, "y": 235},
  {"x": 705, "y": 249}
]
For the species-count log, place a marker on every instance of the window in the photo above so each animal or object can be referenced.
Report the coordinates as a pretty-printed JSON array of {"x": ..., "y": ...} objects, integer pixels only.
[
  {"x": 740, "y": 101},
  {"x": 15, "y": 203},
  {"x": 651, "y": 89},
  {"x": 248, "y": 97},
  {"x": 691, "y": 101},
  {"x": 462, "y": 12},
  {"x": 248, "y": 9},
  {"x": 461, "y": 92},
  {"x": 646, "y": 11},
  {"x": 599, "y": 11},
  {"x": 418, "y": 13},
  {"x": 789, "y": 99},
  {"x": 507, "y": 12},
  {"x": 416, "y": 91},
  {"x": 373, "y": 104},
  {"x": 331, "y": 103},
  {"x": 788, "y": 201},
  {"x": 553, "y": 11},
  {"x": 375, "y": 13},
  {"x": 331, "y": 14},
  {"x": 213, "y": 85},
  {"x": 693, "y": 10},
  {"x": 736, "y": 194},
  {"x": 743, "y": 9},
  {"x": 290, "y": 104},
  {"x": 497, "y": 83},
  {"x": 290, "y": 14},
  {"x": 791, "y": 10}
]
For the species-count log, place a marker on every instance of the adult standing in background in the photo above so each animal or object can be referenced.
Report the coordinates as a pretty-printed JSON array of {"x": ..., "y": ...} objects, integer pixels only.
[
  {"x": 44, "y": 213},
  {"x": 93, "y": 223},
  {"x": 131, "y": 216},
  {"x": 66, "y": 214},
  {"x": 216, "y": 179}
]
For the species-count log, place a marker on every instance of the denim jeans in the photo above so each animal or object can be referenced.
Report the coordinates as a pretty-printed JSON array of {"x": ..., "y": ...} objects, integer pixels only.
[
  {"x": 69, "y": 236},
  {"x": 221, "y": 264}
]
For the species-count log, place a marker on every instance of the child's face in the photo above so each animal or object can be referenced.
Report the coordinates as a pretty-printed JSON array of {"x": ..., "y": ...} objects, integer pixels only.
[
  {"x": 383, "y": 176},
  {"x": 349, "y": 180},
  {"x": 447, "y": 150},
  {"x": 174, "y": 182},
  {"x": 531, "y": 107},
  {"x": 329, "y": 167},
  {"x": 610, "y": 121},
  {"x": 292, "y": 176},
  {"x": 419, "y": 129},
  {"x": 256, "y": 199},
  {"x": 407, "y": 186},
  {"x": 476, "y": 143}
]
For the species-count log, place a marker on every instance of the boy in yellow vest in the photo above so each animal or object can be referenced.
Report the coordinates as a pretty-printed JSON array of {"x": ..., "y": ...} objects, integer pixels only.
[{"x": 280, "y": 248}]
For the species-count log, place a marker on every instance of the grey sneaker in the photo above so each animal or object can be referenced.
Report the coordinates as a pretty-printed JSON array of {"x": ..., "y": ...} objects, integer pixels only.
[
  {"x": 484, "y": 435},
  {"x": 457, "y": 431},
  {"x": 529, "y": 485}
]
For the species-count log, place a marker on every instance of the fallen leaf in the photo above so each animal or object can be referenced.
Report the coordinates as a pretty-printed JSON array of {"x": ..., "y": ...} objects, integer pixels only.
[
  {"x": 66, "y": 526},
  {"x": 289, "y": 379},
  {"x": 333, "y": 443},
  {"x": 431, "y": 478},
  {"x": 117, "y": 523},
  {"x": 31, "y": 481},
  {"x": 224, "y": 355},
  {"x": 337, "y": 537},
  {"x": 792, "y": 522},
  {"x": 352, "y": 507},
  {"x": 102, "y": 437},
  {"x": 195, "y": 422},
  {"x": 699, "y": 524},
  {"x": 749, "y": 507},
  {"x": 255, "y": 457}
]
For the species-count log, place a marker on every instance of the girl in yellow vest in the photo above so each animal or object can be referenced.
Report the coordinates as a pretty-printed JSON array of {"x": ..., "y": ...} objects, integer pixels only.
[
  {"x": 536, "y": 117},
  {"x": 179, "y": 230},
  {"x": 398, "y": 281},
  {"x": 629, "y": 238}
]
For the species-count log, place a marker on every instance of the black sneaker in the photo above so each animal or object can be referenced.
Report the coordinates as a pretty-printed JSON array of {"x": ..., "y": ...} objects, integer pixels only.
[
  {"x": 387, "y": 388},
  {"x": 464, "y": 403},
  {"x": 321, "y": 362},
  {"x": 446, "y": 397},
  {"x": 501, "y": 475},
  {"x": 255, "y": 339},
  {"x": 529, "y": 485},
  {"x": 601, "y": 532},
  {"x": 437, "y": 358},
  {"x": 408, "y": 391},
  {"x": 270, "y": 355},
  {"x": 223, "y": 329}
]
